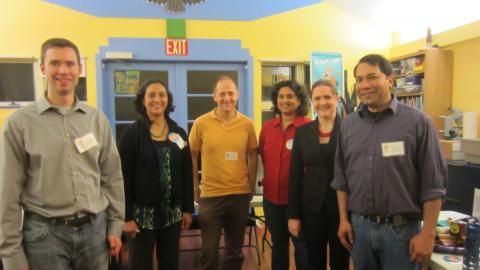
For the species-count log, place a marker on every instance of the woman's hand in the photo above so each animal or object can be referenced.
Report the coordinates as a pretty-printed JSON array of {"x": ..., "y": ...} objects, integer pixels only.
[
  {"x": 186, "y": 220},
  {"x": 130, "y": 228},
  {"x": 294, "y": 227}
]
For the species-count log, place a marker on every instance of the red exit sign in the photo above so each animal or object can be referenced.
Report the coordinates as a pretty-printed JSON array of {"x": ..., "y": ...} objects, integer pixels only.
[{"x": 176, "y": 46}]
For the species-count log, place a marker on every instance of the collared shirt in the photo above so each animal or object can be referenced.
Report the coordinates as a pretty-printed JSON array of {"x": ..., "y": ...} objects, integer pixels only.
[
  {"x": 275, "y": 148},
  {"x": 382, "y": 181},
  {"x": 46, "y": 174},
  {"x": 224, "y": 148}
]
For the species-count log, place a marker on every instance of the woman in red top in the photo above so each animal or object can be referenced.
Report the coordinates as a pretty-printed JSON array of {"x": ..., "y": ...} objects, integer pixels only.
[{"x": 276, "y": 141}]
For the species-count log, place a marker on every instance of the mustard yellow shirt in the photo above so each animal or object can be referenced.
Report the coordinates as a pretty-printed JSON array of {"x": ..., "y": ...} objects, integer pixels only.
[{"x": 223, "y": 148}]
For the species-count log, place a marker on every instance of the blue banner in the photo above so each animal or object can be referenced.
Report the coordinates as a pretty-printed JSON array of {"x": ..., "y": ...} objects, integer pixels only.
[{"x": 327, "y": 66}]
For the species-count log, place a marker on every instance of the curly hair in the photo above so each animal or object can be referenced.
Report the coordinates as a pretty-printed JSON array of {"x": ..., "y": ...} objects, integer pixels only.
[{"x": 299, "y": 92}]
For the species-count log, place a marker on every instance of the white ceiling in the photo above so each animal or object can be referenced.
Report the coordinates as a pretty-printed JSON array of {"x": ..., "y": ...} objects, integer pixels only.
[{"x": 412, "y": 17}]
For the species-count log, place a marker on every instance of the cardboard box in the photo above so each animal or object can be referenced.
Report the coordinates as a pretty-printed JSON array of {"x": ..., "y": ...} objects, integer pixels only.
[
  {"x": 471, "y": 149},
  {"x": 451, "y": 149}
]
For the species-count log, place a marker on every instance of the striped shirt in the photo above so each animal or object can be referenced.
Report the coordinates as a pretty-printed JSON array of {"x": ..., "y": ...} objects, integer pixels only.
[{"x": 379, "y": 176}]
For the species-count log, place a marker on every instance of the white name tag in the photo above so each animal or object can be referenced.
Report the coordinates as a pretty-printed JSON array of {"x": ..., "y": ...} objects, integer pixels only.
[
  {"x": 392, "y": 149},
  {"x": 85, "y": 142},
  {"x": 175, "y": 138},
  {"x": 289, "y": 144},
  {"x": 231, "y": 155}
]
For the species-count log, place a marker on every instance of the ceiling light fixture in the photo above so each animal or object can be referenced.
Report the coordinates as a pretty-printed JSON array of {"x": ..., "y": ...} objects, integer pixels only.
[{"x": 175, "y": 6}]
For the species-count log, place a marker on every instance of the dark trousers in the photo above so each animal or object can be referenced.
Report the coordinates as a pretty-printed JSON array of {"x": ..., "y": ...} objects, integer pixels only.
[
  {"x": 230, "y": 213},
  {"x": 277, "y": 223},
  {"x": 321, "y": 229},
  {"x": 167, "y": 243}
]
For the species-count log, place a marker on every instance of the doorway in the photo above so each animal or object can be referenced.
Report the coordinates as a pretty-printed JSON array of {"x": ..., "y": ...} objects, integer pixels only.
[{"x": 191, "y": 85}]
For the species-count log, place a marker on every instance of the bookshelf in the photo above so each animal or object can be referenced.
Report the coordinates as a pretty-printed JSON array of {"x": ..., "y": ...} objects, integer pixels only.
[{"x": 424, "y": 80}]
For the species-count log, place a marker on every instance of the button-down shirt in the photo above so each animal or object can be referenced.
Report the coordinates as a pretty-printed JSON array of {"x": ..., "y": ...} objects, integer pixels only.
[
  {"x": 46, "y": 174},
  {"x": 386, "y": 182},
  {"x": 276, "y": 150}
]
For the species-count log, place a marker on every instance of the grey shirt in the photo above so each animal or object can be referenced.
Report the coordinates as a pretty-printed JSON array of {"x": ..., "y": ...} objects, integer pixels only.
[
  {"x": 384, "y": 181},
  {"x": 46, "y": 174}
]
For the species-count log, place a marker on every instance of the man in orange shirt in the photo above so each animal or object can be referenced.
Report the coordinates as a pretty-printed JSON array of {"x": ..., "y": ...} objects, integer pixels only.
[{"x": 226, "y": 138}]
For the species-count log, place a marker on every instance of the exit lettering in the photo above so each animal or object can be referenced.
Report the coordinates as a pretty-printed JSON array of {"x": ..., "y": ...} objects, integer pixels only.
[{"x": 176, "y": 47}]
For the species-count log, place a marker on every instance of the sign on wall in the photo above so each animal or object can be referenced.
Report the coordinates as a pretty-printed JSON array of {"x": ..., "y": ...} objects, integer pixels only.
[
  {"x": 176, "y": 47},
  {"x": 328, "y": 66},
  {"x": 176, "y": 43}
]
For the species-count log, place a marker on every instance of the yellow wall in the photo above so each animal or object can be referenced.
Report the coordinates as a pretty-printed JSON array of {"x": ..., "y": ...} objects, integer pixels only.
[
  {"x": 25, "y": 24},
  {"x": 465, "y": 43}
]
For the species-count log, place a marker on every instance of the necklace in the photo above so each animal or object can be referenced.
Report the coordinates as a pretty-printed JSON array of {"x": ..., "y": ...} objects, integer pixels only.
[
  {"x": 325, "y": 134},
  {"x": 161, "y": 133}
]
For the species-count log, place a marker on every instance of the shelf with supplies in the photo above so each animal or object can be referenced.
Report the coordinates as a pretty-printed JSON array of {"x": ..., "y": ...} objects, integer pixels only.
[
  {"x": 408, "y": 95},
  {"x": 410, "y": 74},
  {"x": 424, "y": 80}
]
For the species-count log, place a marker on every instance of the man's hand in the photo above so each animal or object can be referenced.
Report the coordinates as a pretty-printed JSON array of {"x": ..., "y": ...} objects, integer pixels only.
[
  {"x": 196, "y": 194},
  {"x": 115, "y": 245},
  {"x": 186, "y": 220},
  {"x": 345, "y": 234},
  {"x": 130, "y": 228},
  {"x": 294, "y": 227},
  {"x": 421, "y": 247}
]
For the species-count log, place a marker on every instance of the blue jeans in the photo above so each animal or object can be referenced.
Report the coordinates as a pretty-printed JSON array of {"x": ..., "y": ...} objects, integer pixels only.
[
  {"x": 382, "y": 246},
  {"x": 50, "y": 246},
  {"x": 277, "y": 223}
]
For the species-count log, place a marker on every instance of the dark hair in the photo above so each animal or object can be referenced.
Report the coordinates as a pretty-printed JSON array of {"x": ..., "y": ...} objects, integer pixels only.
[
  {"x": 375, "y": 60},
  {"x": 57, "y": 43},
  {"x": 140, "y": 108},
  {"x": 299, "y": 91},
  {"x": 323, "y": 82},
  {"x": 223, "y": 78}
]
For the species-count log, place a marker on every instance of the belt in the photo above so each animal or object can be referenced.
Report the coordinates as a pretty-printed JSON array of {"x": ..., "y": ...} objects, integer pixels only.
[
  {"x": 395, "y": 220},
  {"x": 71, "y": 220}
]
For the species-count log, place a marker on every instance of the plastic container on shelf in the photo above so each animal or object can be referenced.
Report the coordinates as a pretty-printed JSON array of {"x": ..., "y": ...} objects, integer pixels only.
[{"x": 472, "y": 246}]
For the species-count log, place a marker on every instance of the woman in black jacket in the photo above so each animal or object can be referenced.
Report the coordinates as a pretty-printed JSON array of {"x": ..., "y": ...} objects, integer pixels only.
[
  {"x": 157, "y": 170},
  {"x": 312, "y": 203}
]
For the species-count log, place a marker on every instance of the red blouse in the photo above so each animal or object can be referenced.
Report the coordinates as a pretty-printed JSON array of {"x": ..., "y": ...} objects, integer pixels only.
[{"x": 275, "y": 150}]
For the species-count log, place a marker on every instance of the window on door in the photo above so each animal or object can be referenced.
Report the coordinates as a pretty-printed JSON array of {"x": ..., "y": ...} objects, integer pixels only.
[
  {"x": 273, "y": 73},
  {"x": 200, "y": 85},
  {"x": 191, "y": 85},
  {"x": 127, "y": 82}
]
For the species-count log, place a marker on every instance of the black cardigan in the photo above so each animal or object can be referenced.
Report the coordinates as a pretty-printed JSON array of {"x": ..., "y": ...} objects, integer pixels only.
[
  {"x": 311, "y": 171},
  {"x": 141, "y": 172}
]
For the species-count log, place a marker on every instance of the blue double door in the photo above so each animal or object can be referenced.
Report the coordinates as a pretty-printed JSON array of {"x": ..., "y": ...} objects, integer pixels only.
[{"x": 191, "y": 85}]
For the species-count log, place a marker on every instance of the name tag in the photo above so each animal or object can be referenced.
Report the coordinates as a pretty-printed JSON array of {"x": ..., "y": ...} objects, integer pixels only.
[
  {"x": 231, "y": 155},
  {"x": 85, "y": 142},
  {"x": 289, "y": 144},
  {"x": 175, "y": 138},
  {"x": 393, "y": 149}
]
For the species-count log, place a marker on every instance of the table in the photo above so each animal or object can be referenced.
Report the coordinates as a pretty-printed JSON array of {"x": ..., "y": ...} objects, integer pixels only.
[{"x": 438, "y": 263}]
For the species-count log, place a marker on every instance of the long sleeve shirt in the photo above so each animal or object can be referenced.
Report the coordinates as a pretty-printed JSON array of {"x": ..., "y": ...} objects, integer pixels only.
[
  {"x": 389, "y": 163},
  {"x": 275, "y": 148},
  {"x": 45, "y": 173}
]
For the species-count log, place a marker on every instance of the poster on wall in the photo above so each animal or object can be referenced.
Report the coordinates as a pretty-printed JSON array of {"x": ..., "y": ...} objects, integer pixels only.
[{"x": 328, "y": 66}]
